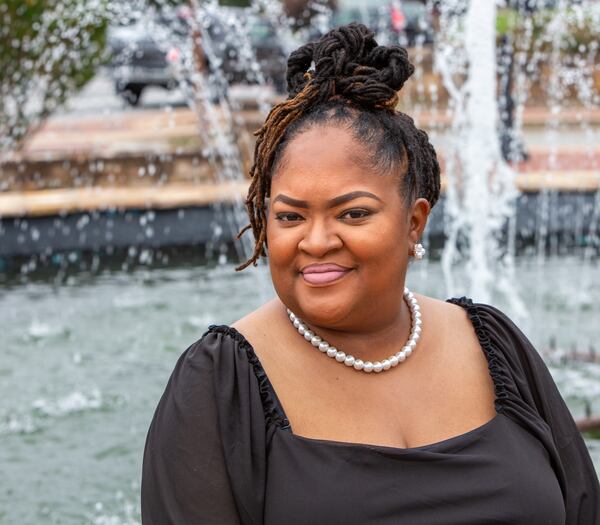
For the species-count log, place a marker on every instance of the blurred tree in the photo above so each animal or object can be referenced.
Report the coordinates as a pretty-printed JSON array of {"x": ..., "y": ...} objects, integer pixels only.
[{"x": 48, "y": 50}]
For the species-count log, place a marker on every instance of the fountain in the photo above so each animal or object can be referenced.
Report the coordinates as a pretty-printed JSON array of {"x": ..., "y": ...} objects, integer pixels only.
[
  {"x": 109, "y": 289},
  {"x": 481, "y": 189}
]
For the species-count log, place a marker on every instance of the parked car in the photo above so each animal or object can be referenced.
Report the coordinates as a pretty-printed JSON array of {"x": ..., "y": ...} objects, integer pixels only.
[
  {"x": 137, "y": 62},
  {"x": 225, "y": 47},
  {"x": 139, "y": 58}
]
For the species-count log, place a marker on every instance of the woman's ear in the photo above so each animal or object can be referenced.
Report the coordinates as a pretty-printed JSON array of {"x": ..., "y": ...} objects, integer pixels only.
[{"x": 418, "y": 219}]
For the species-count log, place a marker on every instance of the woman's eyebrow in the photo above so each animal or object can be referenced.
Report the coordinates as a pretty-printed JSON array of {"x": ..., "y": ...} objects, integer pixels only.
[{"x": 336, "y": 201}]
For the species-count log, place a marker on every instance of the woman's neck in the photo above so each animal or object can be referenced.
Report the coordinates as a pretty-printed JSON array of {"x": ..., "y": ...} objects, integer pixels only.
[{"x": 370, "y": 340}]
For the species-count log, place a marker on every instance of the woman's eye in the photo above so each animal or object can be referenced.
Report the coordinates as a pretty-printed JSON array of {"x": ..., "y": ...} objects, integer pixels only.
[
  {"x": 355, "y": 214},
  {"x": 287, "y": 217}
]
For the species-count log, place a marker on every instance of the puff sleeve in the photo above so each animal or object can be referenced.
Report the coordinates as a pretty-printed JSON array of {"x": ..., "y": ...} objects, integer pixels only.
[
  {"x": 572, "y": 462},
  {"x": 184, "y": 473}
]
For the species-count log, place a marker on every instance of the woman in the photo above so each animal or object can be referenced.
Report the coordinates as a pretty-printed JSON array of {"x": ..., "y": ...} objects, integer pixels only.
[{"x": 426, "y": 411}]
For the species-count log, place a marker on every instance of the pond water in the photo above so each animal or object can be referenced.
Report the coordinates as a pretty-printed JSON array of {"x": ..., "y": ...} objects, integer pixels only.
[{"x": 85, "y": 360}]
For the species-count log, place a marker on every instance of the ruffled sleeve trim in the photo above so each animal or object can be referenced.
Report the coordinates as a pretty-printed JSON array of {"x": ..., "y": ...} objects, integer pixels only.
[
  {"x": 274, "y": 413},
  {"x": 490, "y": 346}
]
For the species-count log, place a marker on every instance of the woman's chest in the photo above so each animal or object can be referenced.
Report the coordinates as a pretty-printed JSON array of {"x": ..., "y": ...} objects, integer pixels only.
[
  {"x": 499, "y": 475},
  {"x": 426, "y": 401}
]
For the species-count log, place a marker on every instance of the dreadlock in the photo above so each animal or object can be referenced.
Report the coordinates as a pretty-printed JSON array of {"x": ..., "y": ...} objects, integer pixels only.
[{"x": 354, "y": 80}]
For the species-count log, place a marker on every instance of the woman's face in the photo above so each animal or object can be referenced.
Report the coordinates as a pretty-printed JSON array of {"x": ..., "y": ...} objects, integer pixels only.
[{"x": 338, "y": 234}]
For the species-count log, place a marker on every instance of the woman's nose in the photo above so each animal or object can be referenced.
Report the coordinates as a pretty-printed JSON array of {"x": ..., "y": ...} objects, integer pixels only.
[{"x": 319, "y": 238}]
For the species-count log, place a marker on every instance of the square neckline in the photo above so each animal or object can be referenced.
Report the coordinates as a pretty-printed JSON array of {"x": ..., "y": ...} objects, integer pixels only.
[{"x": 269, "y": 394}]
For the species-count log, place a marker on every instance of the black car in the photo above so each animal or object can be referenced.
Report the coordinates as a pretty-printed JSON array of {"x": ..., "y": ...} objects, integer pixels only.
[
  {"x": 145, "y": 53},
  {"x": 137, "y": 62}
]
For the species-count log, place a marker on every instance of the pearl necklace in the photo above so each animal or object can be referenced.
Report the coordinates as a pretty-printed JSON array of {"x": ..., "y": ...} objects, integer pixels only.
[{"x": 359, "y": 364}]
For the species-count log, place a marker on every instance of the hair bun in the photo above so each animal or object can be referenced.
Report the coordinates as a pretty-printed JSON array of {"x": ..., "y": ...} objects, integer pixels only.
[{"x": 350, "y": 63}]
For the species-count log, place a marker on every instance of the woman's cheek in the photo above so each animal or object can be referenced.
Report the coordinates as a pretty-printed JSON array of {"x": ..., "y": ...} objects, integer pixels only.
[
  {"x": 369, "y": 243},
  {"x": 282, "y": 246},
  {"x": 380, "y": 250},
  {"x": 282, "y": 253}
]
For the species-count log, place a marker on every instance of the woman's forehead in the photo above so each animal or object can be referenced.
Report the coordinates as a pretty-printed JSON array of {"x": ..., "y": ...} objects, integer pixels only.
[{"x": 323, "y": 148}]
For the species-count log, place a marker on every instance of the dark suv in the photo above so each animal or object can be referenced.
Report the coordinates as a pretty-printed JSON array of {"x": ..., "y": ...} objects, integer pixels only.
[{"x": 142, "y": 53}]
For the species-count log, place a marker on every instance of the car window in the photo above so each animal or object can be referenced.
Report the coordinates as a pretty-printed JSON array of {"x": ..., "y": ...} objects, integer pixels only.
[
  {"x": 345, "y": 16},
  {"x": 261, "y": 30}
]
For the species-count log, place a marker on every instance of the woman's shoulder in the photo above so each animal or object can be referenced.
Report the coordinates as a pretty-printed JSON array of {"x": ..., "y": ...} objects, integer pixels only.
[
  {"x": 459, "y": 315},
  {"x": 484, "y": 316},
  {"x": 219, "y": 348},
  {"x": 223, "y": 351},
  {"x": 496, "y": 331},
  {"x": 257, "y": 320},
  {"x": 262, "y": 327}
]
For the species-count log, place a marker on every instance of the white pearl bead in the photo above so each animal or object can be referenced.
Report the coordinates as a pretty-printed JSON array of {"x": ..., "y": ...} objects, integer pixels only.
[
  {"x": 308, "y": 335},
  {"x": 407, "y": 351},
  {"x": 394, "y": 360},
  {"x": 302, "y": 329},
  {"x": 417, "y": 315},
  {"x": 340, "y": 356},
  {"x": 418, "y": 322},
  {"x": 323, "y": 346},
  {"x": 401, "y": 356},
  {"x": 413, "y": 301},
  {"x": 386, "y": 364},
  {"x": 315, "y": 341},
  {"x": 292, "y": 316},
  {"x": 349, "y": 361},
  {"x": 368, "y": 366},
  {"x": 416, "y": 330},
  {"x": 331, "y": 351},
  {"x": 412, "y": 343},
  {"x": 416, "y": 307},
  {"x": 296, "y": 323},
  {"x": 377, "y": 366},
  {"x": 358, "y": 364}
]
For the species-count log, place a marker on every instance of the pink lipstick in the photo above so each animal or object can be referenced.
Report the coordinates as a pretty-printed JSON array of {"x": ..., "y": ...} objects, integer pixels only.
[{"x": 323, "y": 273}]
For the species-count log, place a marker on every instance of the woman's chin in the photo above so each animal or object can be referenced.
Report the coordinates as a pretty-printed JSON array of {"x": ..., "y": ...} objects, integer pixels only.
[{"x": 330, "y": 310}]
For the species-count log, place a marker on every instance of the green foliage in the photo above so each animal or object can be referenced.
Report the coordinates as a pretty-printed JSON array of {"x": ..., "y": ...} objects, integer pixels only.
[
  {"x": 506, "y": 21},
  {"x": 48, "y": 50},
  {"x": 580, "y": 27}
]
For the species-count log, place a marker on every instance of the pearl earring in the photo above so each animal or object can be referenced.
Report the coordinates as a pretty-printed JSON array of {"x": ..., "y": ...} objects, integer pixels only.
[{"x": 419, "y": 251}]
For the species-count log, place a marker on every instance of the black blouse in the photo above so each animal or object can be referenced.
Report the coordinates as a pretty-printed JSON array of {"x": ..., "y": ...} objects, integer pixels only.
[{"x": 221, "y": 450}]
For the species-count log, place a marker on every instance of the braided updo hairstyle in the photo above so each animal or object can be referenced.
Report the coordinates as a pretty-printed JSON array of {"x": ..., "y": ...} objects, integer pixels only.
[{"x": 354, "y": 81}]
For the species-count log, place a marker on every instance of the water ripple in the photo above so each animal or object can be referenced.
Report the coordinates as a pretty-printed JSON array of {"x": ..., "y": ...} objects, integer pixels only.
[
  {"x": 29, "y": 422},
  {"x": 73, "y": 402}
]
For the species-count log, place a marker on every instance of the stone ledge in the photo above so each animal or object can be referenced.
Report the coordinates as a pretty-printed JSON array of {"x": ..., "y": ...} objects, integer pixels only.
[{"x": 63, "y": 201}]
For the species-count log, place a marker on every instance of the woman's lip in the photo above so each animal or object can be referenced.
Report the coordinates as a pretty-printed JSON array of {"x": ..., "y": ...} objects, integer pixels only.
[
  {"x": 324, "y": 277},
  {"x": 326, "y": 267}
]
